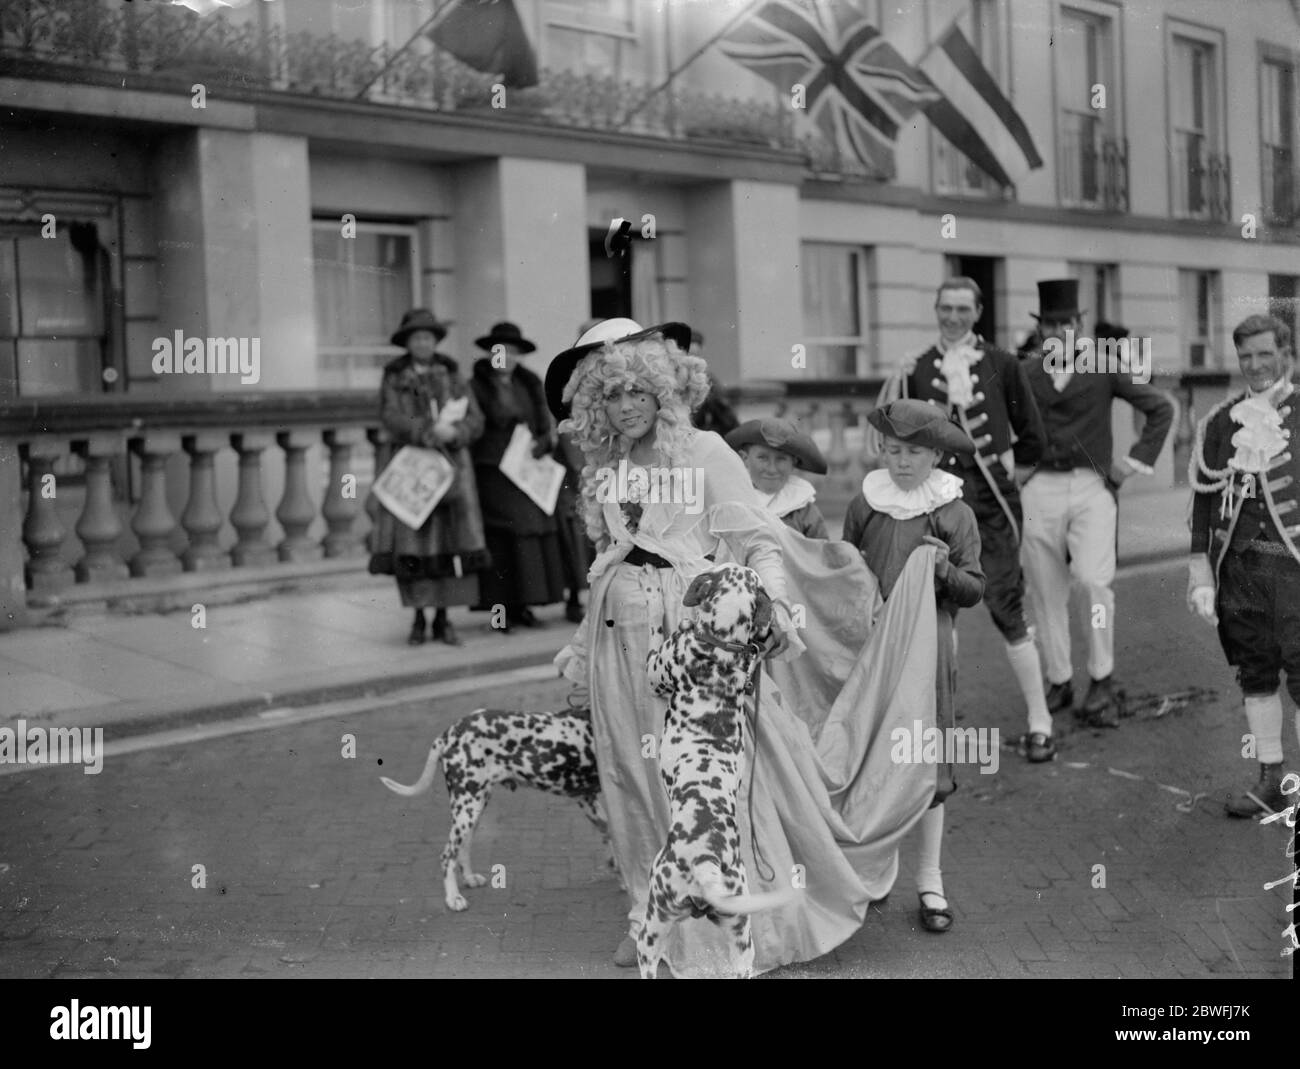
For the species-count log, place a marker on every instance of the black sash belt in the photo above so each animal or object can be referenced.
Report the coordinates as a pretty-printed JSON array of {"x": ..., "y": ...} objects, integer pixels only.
[{"x": 638, "y": 556}]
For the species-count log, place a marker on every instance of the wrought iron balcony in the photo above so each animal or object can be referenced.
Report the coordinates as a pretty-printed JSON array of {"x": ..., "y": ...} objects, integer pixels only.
[
  {"x": 1277, "y": 169},
  {"x": 1093, "y": 168},
  {"x": 1202, "y": 180},
  {"x": 173, "y": 47}
]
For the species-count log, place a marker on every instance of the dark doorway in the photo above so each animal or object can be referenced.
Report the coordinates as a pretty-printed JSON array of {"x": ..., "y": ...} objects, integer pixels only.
[
  {"x": 1284, "y": 301},
  {"x": 983, "y": 269},
  {"x": 611, "y": 279}
]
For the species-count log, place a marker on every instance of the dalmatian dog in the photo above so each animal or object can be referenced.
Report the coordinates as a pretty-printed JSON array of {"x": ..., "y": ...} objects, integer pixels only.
[
  {"x": 550, "y": 751},
  {"x": 704, "y": 670}
]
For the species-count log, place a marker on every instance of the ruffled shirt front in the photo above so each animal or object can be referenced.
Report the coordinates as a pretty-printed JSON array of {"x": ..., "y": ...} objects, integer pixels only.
[
  {"x": 794, "y": 494},
  {"x": 885, "y": 495},
  {"x": 1261, "y": 437}
]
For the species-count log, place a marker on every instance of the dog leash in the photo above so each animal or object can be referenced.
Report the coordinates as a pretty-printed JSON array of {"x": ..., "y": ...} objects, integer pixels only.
[{"x": 753, "y": 685}]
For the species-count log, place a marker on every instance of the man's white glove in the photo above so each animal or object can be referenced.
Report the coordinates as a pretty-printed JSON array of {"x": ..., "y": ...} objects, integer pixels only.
[{"x": 1200, "y": 588}]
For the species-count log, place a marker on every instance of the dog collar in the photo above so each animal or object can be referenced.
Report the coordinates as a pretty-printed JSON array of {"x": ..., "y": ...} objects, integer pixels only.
[{"x": 751, "y": 650}]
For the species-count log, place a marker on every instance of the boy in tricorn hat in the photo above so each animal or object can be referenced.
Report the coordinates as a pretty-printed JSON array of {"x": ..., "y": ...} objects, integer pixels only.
[
  {"x": 771, "y": 450},
  {"x": 909, "y": 503}
]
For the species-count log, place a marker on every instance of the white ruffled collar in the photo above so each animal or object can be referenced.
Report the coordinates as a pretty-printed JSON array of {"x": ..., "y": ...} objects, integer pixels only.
[
  {"x": 884, "y": 495},
  {"x": 1261, "y": 437},
  {"x": 795, "y": 494}
]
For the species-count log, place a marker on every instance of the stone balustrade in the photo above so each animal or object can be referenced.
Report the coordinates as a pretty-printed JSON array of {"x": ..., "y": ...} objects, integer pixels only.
[{"x": 147, "y": 503}]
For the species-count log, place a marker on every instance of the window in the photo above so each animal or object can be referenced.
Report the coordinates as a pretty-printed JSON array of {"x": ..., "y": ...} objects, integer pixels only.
[
  {"x": 1200, "y": 317},
  {"x": 1098, "y": 291},
  {"x": 1199, "y": 168},
  {"x": 591, "y": 37},
  {"x": 1091, "y": 166},
  {"x": 363, "y": 287},
  {"x": 1277, "y": 111},
  {"x": 1284, "y": 302},
  {"x": 834, "y": 310},
  {"x": 53, "y": 322},
  {"x": 985, "y": 28}
]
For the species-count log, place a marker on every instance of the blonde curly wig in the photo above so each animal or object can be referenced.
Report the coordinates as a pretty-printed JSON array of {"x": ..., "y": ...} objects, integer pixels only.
[{"x": 678, "y": 381}]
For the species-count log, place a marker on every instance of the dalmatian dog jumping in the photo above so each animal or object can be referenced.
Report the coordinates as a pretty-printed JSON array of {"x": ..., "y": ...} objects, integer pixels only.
[
  {"x": 703, "y": 670},
  {"x": 550, "y": 751}
]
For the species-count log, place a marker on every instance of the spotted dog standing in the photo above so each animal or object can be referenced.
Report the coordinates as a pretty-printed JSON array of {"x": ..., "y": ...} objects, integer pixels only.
[
  {"x": 704, "y": 671},
  {"x": 550, "y": 751}
]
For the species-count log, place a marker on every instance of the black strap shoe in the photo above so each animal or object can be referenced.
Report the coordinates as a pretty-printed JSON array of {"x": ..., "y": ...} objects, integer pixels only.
[
  {"x": 416, "y": 637},
  {"x": 935, "y": 920},
  {"x": 1039, "y": 747},
  {"x": 1268, "y": 792},
  {"x": 1060, "y": 697}
]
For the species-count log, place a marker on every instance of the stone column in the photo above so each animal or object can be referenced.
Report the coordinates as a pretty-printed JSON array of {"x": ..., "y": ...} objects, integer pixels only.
[
  {"x": 43, "y": 532},
  {"x": 202, "y": 517},
  {"x": 296, "y": 511},
  {"x": 250, "y": 516},
  {"x": 341, "y": 509},
  {"x": 153, "y": 522},
  {"x": 99, "y": 527}
]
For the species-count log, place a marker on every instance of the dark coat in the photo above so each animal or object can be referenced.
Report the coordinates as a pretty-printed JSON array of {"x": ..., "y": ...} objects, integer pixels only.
[
  {"x": 451, "y": 539},
  {"x": 504, "y": 406},
  {"x": 1077, "y": 419}
]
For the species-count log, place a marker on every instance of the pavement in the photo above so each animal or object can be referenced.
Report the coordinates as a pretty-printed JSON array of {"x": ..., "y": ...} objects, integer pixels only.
[
  {"x": 343, "y": 637},
  {"x": 264, "y": 846}
]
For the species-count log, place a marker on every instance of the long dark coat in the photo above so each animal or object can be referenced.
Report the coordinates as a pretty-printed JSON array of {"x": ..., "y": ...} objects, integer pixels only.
[{"x": 451, "y": 540}]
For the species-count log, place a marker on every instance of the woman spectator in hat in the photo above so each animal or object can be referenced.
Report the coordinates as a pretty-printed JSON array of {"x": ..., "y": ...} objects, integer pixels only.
[
  {"x": 526, "y": 565},
  {"x": 626, "y": 395},
  {"x": 909, "y": 503},
  {"x": 771, "y": 450},
  {"x": 437, "y": 565}
]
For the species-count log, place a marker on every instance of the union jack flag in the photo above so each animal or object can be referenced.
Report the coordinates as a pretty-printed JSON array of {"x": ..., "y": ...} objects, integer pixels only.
[{"x": 859, "y": 91}]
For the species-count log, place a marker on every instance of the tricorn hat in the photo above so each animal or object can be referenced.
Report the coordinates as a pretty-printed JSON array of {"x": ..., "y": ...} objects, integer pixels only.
[
  {"x": 1058, "y": 299},
  {"x": 920, "y": 423},
  {"x": 783, "y": 435},
  {"x": 505, "y": 333},
  {"x": 419, "y": 319},
  {"x": 561, "y": 367}
]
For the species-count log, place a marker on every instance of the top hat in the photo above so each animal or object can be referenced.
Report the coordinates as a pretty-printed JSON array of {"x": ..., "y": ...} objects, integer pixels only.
[
  {"x": 783, "y": 435},
  {"x": 418, "y": 319},
  {"x": 920, "y": 423},
  {"x": 1058, "y": 299},
  {"x": 505, "y": 333},
  {"x": 561, "y": 367}
]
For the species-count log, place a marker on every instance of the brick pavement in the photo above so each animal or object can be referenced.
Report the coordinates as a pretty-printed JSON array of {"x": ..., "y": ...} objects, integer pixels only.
[{"x": 315, "y": 870}]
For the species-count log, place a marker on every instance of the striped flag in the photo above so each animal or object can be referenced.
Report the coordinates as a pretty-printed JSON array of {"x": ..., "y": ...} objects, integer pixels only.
[
  {"x": 858, "y": 90},
  {"x": 488, "y": 37},
  {"x": 974, "y": 114}
]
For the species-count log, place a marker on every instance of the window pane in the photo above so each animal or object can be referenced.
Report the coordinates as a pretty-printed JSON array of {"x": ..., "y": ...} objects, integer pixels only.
[
  {"x": 58, "y": 288},
  {"x": 57, "y": 367},
  {"x": 363, "y": 286},
  {"x": 830, "y": 292}
]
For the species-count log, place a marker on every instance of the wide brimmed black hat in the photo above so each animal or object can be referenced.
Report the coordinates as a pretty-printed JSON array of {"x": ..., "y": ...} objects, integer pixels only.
[
  {"x": 607, "y": 330},
  {"x": 418, "y": 319},
  {"x": 920, "y": 423},
  {"x": 783, "y": 435},
  {"x": 505, "y": 333},
  {"x": 1058, "y": 299}
]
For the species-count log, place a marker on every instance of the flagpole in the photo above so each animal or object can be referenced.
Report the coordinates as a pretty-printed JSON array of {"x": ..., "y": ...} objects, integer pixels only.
[
  {"x": 411, "y": 40},
  {"x": 672, "y": 74}
]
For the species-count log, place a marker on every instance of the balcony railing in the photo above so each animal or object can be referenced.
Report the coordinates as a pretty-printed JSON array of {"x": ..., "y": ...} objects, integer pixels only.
[
  {"x": 1202, "y": 180},
  {"x": 1277, "y": 168},
  {"x": 52, "y": 38},
  {"x": 1093, "y": 168}
]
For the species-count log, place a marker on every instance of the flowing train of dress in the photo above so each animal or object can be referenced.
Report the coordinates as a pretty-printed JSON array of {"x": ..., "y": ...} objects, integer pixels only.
[{"x": 829, "y": 806}]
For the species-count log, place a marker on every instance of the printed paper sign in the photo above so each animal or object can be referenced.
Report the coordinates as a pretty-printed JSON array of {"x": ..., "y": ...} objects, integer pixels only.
[
  {"x": 413, "y": 484},
  {"x": 538, "y": 477}
]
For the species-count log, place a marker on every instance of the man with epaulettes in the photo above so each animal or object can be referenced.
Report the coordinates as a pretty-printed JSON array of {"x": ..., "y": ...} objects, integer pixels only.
[{"x": 1245, "y": 563}]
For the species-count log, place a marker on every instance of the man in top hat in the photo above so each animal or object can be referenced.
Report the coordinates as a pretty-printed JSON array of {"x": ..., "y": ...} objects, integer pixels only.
[
  {"x": 1070, "y": 502},
  {"x": 1245, "y": 563},
  {"x": 986, "y": 393},
  {"x": 772, "y": 449}
]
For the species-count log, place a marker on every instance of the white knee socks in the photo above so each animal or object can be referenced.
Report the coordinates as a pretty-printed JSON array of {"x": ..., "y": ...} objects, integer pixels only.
[
  {"x": 1264, "y": 715},
  {"x": 929, "y": 845},
  {"x": 1029, "y": 674}
]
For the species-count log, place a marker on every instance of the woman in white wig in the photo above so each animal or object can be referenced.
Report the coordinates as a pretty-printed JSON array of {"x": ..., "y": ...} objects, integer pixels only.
[{"x": 825, "y": 801}]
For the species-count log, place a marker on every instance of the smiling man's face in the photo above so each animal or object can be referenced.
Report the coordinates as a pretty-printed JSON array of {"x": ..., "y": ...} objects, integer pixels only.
[
  {"x": 1262, "y": 361},
  {"x": 957, "y": 311}
]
